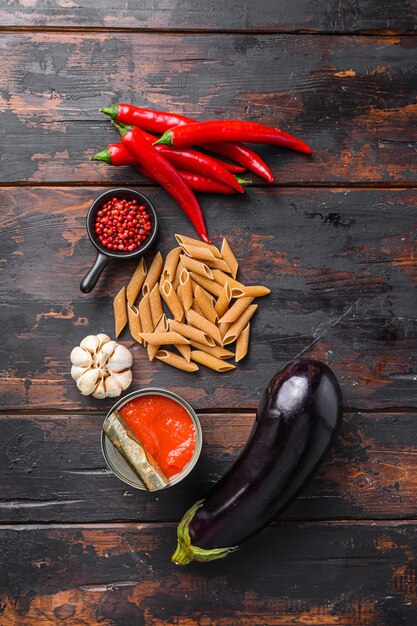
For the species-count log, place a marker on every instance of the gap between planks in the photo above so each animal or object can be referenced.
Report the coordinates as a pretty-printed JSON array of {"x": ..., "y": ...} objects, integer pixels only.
[
  {"x": 287, "y": 185},
  {"x": 378, "y": 32}
]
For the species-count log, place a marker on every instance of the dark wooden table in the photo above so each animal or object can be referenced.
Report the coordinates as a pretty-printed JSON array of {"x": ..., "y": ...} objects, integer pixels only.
[{"x": 334, "y": 238}]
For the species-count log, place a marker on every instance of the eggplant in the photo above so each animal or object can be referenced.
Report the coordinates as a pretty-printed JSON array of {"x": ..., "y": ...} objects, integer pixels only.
[{"x": 296, "y": 423}]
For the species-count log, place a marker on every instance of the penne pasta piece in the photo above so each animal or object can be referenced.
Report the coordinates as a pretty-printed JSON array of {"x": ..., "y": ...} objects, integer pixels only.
[
  {"x": 172, "y": 301},
  {"x": 242, "y": 344},
  {"x": 223, "y": 300},
  {"x": 229, "y": 257},
  {"x": 236, "y": 310},
  {"x": 211, "y": 361},
  {"x": 164, "y": 338},
  {"x": 161, "y": 327},
  {"x": 145, "y": 315},
  {"x": 134, "y": 322},
  {"x": 191, "y": 333},
  {"x": 171, "y": 262},
  {"x": 222, "y": 278},
  {"x": 197, "y": 267},
  {"x": 219, "y": 264},
  {"x": 185, "y": 351},
  {"x": 196, "y": 243},
  {"x": 136, "y": 282},
  {"x": 237, "y": 327},
  {"x": 256, "y": 291},
  {"x": 186, "y": 289},
  {"x": 203, "y": 324},
  {"x": 176, "y": 361},
  {"x": 153, "y": 274},
  {"x": 155, "y": 304},
  {"x": 205, "y": 304},
  {"x": 209, "y": 285},
  {"x": 120, "y": 311},
  {"x": 217, "y": 351}
]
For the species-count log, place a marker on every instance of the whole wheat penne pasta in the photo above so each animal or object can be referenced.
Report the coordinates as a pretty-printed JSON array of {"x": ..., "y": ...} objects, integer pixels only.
[
  {"x": 135, "y": 326},
  {"x": 256, "y": 291},
  {"x": 185, "y": 351},
  {"x": 236, "y": 309},
  {"x": 186, "y": 289},
  {"x": 222, "y": 278},
  {"x": 205, "y": 303},
  {"x": 164, "y": 338},
  {"x": 219, "y": 264},
  {"x": 192, "y": 265},
  {"x": 198, "y": 253},
  {"x": 209, "y": 285},
  {"x": 155, "y": 304},
  {"x": 191, "y": 333},
  {"x": 153, "y": 274},
  {"x": 172, "y": 301},
  {"x": 145, "y": 315},
  {"x": 229, "y": 257},
  {"x": 196, "y": 243},
  {"x": 161, "y": 327},
  {"x": 210, "y": 361},
  {"x": 176, "y": 361},
  {"x": 171, "y": 263},
  {"x": 136, "y": 282},
  {"x": 237, "y": 327},
  {"x": 203, "y": 324},
  {"x": 242, "y": 344},
  {"x": 217, "y": 351},
  {"x": 178, "y": 271},
  {"x": 120, "y": 311},
  {"x": 196, "y": 286},
  {"x": 223, "y": 300},
  {"x": 196, "y": 307}
]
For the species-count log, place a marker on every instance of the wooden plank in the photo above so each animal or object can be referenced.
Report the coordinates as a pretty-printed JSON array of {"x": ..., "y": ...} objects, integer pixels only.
[
  {"x": 336, "y": 574},
  {"x": 367, "y": 15},
  {"x": 352, "y": 98},
  {"x": 340, "y": 264},
  {"x": 52, "y": 469}
]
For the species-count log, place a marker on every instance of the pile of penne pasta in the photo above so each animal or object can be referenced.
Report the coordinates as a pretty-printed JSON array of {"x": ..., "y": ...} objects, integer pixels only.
[{"x": 209, "y": 309}]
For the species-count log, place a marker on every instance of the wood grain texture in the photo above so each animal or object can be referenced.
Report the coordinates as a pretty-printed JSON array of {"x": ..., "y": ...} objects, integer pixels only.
[
  {"x": 341, "y": 266},
  {"x": 333, "y": 574},
  {"x": 52, "y": 470},
  {"x": 351, "y": 98},
  {"x": 267, "y": 15}
]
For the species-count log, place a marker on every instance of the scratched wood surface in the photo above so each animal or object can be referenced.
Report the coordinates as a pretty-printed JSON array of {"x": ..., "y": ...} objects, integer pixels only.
[
  {"x": 334, "y": 239},
  {"x": 352, "y": 98},
  {"x": 326, "y": 15}
]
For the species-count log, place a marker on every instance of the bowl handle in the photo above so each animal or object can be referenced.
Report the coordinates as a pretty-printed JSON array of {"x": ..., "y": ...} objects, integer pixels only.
[{"x": 90, "y": 279}]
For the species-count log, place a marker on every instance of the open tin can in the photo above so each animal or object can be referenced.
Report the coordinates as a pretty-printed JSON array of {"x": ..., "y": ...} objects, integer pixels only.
[{"x": 117, "y": 463}]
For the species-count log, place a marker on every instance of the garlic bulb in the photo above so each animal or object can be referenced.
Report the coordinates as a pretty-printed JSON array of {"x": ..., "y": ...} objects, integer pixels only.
[{"x": 101, "y": 367}]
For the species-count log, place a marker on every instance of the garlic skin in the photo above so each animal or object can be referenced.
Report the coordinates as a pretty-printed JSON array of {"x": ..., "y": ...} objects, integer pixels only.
[{"x": 101, "y": 367}]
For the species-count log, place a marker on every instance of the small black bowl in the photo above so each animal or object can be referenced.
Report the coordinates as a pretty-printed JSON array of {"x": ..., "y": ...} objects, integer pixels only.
[{"x": 104, "y": 255}]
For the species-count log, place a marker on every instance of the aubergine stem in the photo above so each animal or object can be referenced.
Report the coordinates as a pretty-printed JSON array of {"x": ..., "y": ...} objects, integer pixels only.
[{"x": 186, "y": 552}]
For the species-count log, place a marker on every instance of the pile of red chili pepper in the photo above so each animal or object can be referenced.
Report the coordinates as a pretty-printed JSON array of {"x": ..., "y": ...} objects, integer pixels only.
[{"x": 181, "y": 170}]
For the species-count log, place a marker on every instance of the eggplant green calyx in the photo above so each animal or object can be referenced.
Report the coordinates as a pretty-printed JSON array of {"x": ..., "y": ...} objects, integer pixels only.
[
  {"x": 103, "y": 155},
  {"x": 242, "y": 181},
  {"x": 112, "y": 111},
  {"x": 186, "y": 552},
  {"x": 167, "y": 139},
  {"x": 122, "y": 128}
]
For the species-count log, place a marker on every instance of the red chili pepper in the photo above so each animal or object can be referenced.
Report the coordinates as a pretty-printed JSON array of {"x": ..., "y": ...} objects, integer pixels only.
[
  {"x": 165, "y": 174},
  {"x": 116, "y": 154},
  {"x": 194, "y": 161},
  {"x": 230, "y": 130},
  {"x": 160, "y": 121}
]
